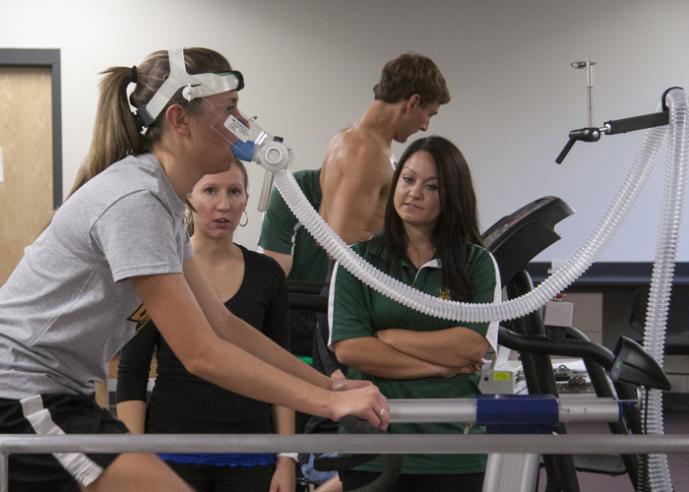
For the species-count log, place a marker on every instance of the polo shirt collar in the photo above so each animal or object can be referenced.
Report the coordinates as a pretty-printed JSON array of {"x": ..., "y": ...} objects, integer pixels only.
[
  {"x": 375, "y": 248},
  {"x": 432, "y": 263}
]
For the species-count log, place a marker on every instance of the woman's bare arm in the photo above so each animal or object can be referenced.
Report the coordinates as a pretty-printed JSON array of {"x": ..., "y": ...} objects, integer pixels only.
[
  {"x": 372, "y": 356},
  {"x": 454, "y": 347}
]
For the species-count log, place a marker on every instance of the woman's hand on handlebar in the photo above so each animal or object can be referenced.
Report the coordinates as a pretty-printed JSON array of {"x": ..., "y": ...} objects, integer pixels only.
[{"x": 363, "y": 401}]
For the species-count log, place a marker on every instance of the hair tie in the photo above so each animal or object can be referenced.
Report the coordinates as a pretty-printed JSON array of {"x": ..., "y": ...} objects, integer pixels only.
[{"x": 133, "y": 75}]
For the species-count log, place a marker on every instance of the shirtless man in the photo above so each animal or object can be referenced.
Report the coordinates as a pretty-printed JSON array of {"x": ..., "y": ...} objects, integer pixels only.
[
  {"x": 357, "y": 170},
  {"x": 352, "y": 186}
]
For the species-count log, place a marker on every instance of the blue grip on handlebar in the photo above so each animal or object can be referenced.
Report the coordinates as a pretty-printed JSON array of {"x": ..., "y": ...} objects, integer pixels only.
[
  {"x": 243, "y": 150},
  {"x": 516, "y": 409}
]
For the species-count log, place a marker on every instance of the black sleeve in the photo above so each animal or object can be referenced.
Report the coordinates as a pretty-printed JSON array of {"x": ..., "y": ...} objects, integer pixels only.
[
  {"x": 135, "y": 363},
  {"x": 324, "y": 359},
  {"x": 275, "y": 325}
]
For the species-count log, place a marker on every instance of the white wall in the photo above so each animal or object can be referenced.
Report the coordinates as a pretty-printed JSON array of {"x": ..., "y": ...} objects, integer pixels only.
[{"x": 310, "y": 66}]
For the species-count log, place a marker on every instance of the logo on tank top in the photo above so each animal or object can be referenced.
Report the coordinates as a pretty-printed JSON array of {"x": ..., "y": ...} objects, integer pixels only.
[{"x": 140, "y": 317}]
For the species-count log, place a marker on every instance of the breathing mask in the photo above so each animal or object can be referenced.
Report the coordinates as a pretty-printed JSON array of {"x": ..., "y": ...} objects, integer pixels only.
[{"x": 249, "y": 141}]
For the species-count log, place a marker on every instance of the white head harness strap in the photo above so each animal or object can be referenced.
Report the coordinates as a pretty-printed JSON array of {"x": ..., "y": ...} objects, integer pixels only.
[{"x": 194, "y": 86}]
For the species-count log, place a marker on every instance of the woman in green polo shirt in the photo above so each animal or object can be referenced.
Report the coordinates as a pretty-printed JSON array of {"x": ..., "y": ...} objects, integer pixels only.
[{"x": 431, "y": 241}]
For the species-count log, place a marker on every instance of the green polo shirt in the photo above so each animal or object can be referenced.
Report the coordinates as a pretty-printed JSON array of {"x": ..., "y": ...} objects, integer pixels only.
[
  {"x": 356, "y": 310},
  {"x": 281, "y": 231}
]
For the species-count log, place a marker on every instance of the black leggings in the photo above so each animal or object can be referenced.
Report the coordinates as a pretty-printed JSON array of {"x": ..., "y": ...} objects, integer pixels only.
[
  {"x": 204, "y": 478},
  {"x": 469, "y": 482}
]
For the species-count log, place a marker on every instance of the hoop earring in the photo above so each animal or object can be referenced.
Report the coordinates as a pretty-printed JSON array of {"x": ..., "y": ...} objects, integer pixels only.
[{"x": 246, "y": 221}]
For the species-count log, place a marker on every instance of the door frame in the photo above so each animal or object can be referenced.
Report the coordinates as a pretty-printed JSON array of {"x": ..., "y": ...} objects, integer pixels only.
[{"x": 29, "y": 57}]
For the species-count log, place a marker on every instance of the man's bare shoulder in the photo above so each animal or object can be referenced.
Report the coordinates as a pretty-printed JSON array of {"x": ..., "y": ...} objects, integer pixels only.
[{"x": 357, "y": 149}]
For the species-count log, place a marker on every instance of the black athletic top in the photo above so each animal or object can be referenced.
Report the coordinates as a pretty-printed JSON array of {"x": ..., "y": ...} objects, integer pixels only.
[{"x": 183, "y": 403}]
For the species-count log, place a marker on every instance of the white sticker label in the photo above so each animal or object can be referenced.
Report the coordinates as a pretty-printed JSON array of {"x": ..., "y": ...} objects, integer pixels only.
[
  {"x": 238, "y": 128},
  {"x": 2, "y": 168}
]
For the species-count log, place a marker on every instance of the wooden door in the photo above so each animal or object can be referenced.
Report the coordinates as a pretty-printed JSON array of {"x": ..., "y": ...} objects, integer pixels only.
[{"x": 26, "y": 135}]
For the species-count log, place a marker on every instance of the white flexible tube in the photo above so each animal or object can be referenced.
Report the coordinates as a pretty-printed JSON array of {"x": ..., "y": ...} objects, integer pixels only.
[
  {"x": 472, "y": 312},
  {"x": 663, "y": 270}
]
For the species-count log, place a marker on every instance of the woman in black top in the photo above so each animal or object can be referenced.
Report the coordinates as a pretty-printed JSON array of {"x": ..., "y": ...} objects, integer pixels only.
[{"x": 253, "y": 288}]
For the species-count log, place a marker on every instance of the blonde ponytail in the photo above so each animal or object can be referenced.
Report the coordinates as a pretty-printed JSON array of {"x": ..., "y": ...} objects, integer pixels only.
[{"x": 116, "y": 133}]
